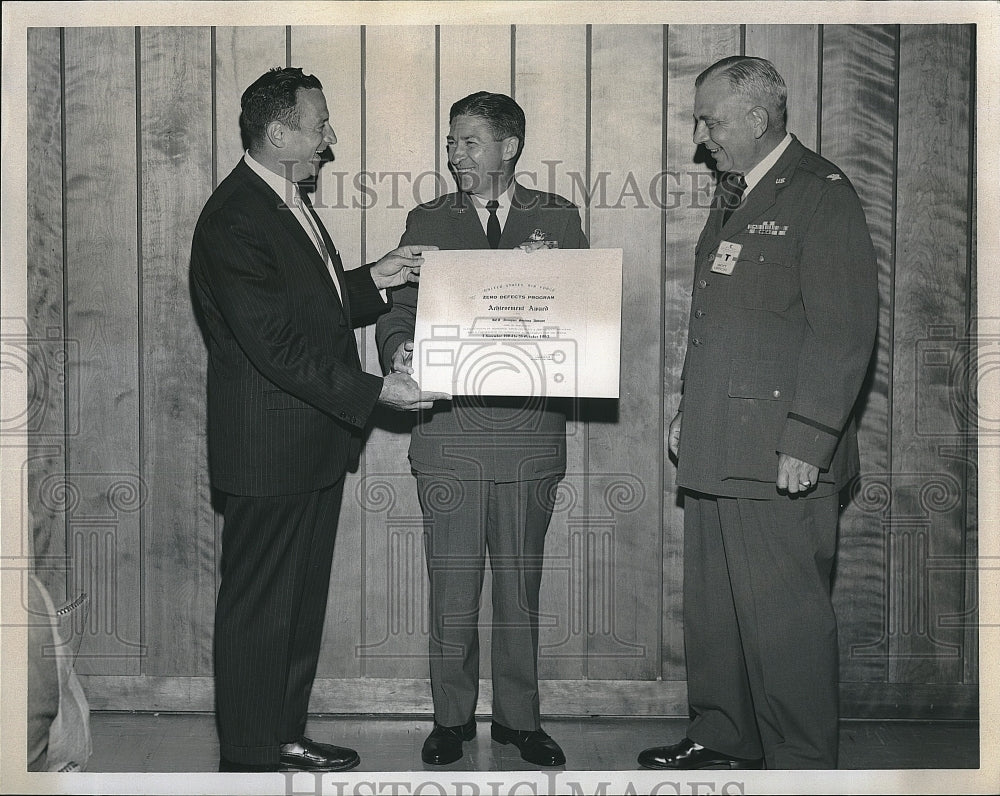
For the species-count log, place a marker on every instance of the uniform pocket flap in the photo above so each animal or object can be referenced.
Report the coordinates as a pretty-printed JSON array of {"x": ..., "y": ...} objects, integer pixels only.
[{"x": 769, "y": 381}]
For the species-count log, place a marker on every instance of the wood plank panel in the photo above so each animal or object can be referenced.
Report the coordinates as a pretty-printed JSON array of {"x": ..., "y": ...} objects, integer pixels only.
[
  {"x": 625, "y": 437},
  {"x": 45, "y": 323},
  {"x": 794, "y": 51},
  {"x": 333, "y": 54},
  {"x": 102, "y": 296},
  {"x": 859, "y": 112},
  {"x": 472, "y": 58},
  {"x": 687, "y": 192},
  {"x": 399, "y": 146},
  {"x": 242, "y": 54},
  {"x": 931, "y": 305},
  {"x": 550, "y": 84},
  {"x": 974, "y": 471},
  {"x": 179, "y": 549}
]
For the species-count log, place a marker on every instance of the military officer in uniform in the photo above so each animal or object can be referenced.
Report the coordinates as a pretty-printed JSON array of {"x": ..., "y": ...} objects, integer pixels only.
[{"x": 782, "y": 325}]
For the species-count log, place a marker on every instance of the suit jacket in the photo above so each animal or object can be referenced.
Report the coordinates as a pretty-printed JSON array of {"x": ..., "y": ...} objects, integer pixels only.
[
  {"x": 778, "y": 349},
  {"x": 498, "y": 439},
  {"x": 287, "y": 398}
]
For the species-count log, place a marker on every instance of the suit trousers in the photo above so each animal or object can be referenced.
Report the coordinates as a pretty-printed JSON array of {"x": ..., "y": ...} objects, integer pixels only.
[
  {"x": 760, "y": 633},
  {"x": 276, "y": 558},
  {"x": 462, "y": 520}
]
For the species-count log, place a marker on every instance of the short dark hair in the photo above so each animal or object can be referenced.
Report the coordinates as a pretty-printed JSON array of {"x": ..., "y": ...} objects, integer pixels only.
[
  {"x": 502, "y": 113},
  {"x": 273, "y": 97}
]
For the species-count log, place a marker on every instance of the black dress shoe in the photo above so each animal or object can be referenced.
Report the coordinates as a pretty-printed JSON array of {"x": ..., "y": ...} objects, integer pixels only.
[
  {"x": 687, "y": 754},
  {"x": 228, "y": 766},
  {"x": 535, "y": 745},
  {"x": 308, "y": 755},
  {"x": 444, "y": 744}
]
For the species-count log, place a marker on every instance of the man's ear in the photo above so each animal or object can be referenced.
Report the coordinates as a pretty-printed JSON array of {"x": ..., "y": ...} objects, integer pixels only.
[
  {"x": 758, "y": 120},
  {"x": 275, "y": 132},
  {"x": 510, "y": 145}
]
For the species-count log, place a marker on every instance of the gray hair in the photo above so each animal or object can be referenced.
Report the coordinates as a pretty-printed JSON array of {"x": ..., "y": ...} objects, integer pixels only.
[{"x": 754, "y": 79}]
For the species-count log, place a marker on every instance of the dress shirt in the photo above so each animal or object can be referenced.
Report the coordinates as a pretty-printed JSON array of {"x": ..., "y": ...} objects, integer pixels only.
[
  {"x": 755, "y": 174},
  {"x": 503, "y": 206},
  {"x": 288, "y": 192}
]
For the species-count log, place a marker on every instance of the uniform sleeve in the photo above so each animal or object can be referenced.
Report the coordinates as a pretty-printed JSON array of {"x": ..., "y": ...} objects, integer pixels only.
[
  {"x": 249, "y": 291},
  {"x": 839, "y": 282},
  {"x": 574, "y": 237},
  {"x": 396, "y": 326}
]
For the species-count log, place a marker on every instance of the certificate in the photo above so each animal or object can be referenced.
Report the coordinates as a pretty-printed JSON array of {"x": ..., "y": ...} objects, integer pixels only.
[{"x": 505, "y": 322}]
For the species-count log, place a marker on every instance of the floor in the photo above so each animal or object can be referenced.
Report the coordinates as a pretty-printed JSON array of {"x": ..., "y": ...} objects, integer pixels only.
[{"x": 173, "y": 742}]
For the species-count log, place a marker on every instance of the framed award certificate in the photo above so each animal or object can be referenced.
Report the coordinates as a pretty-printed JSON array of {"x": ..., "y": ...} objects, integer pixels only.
[{"x": 505, "y": 322}]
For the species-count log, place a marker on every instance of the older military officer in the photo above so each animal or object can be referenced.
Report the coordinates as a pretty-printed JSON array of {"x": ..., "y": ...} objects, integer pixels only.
[{"x": 783, "y": 320}]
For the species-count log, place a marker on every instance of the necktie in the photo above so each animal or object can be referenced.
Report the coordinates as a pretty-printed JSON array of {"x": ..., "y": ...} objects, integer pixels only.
[
  {"x": 324, "y": 244},
  {"x": 731, "y": 193},
  {"x": 493, "y": 224}
]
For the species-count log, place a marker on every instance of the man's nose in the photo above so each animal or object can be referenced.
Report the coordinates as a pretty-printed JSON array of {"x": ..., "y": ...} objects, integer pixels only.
[
  {"x": 700, "y": 132},
  {"x": 330, "y": 136}
]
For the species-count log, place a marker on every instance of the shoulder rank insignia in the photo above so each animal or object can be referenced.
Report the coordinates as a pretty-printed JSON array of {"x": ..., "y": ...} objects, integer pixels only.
[{"x": 834, "y": 177}]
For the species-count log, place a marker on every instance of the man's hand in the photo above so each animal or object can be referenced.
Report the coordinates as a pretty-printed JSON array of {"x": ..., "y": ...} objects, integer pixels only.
[
  {"x": 400, "y": 391},
  {"x": 399, "y": 266},
  {"x": 402, "y": 359},
  {"x": 674, "y": 434},
  {"x": 795, "y": 475},
  {"x": 533, "y": 245}
]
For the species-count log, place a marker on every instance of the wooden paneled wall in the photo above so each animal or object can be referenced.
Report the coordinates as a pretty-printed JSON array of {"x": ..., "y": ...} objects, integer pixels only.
[{"x": 131, "y": 128}]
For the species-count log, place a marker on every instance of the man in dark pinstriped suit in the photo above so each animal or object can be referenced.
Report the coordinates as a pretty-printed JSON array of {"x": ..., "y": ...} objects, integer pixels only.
[{"x": 287, "y": 403}]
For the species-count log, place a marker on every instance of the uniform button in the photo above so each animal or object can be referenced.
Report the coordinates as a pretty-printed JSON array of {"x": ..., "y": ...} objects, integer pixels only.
[
  {"x": 696, "y": 341},
  {"x": 761, "y": 258},
  {"x": 699, "y": 313},
  {"x": 702, "y": 283},
  {"x": 777, "y": 393}
]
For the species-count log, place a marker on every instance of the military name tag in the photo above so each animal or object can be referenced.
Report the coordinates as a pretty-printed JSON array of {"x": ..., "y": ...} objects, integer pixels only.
[{"x": 725, "y": 257}]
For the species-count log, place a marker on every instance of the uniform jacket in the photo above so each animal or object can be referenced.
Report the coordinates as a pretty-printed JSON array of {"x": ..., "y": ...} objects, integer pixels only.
[
  {"x": 777, "y": 350},
  {"x": 498, "y": 439},
  {"x": 287, "y": 399}
]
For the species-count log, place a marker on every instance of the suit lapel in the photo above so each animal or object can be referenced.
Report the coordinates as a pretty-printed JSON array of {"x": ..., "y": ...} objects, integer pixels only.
[{"x": 287, "y": 219}]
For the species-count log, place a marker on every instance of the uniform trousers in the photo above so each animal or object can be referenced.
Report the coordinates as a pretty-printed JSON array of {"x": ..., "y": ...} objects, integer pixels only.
[
  {"x": 276, "y": 558},
  {"x": 462, "y": 520},
  {"x": 760, "y": 633}
]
